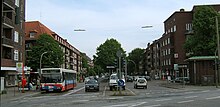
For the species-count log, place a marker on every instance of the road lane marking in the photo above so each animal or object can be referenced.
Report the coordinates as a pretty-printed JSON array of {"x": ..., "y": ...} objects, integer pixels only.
[
  {"x": 187, "y": 101},
  {"x": 104, "y": 91},
  {"x": 73, "y": 91},
  {"x": 189, "y": 92},
  {"x": 163, "y": 100},
  {"x": 213, "y": 98},
  {"x": 138, "y": 104},
  {"x": 191, "y": 97},
  {"x": 131, "y": 91},
  {"x": 205, "y": 91},
  {"x": 127, "y": 104},
  {"x": 153, "y": 105}
]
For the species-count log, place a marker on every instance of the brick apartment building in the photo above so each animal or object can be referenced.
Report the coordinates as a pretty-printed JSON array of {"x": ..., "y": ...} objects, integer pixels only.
[
  {"x": 168, "y": 52},
  {"x": 72, "y": 57},
  {"x": 12, "y": 33}
]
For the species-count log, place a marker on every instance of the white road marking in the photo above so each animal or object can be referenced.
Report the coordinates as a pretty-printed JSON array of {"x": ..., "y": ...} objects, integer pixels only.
[
  {"x": 154, "y": 105},
  {"x": 187, "y": 101},
  {"x": 104, "y": 91},
  {"x": 163, "y": 100},
  {"x": 189, "y": 92},
  {"x": 131, "y": 91},
  {"x": 213, "y": 98},
  {"x": 147, "y": 93},
  {"x": 191, "y": 97},
  {"x": 138, "y": 104},
  {"x": 114, "y": 98},
  {"x": 127, "y": 104},
  {"x": 205, "y": 91},
  {"x": 73, "y": 91}
]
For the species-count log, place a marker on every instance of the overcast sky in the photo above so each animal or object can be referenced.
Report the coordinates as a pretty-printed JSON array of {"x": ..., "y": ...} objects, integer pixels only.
[{"x": 105, "y": 19}]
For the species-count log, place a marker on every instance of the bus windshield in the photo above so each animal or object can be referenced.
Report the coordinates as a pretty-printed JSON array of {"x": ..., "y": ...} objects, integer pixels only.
[{"x": 51, "y": 78}]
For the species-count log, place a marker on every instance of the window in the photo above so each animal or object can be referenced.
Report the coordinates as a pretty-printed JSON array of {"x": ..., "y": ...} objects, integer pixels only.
[
  {"x": 189, "y": 26},
  {"x": 171, "y": 30},
  {"x": 32, "y": 34},
  {"x": 168, "y": 40},
  {"x": 168, "y": 51},
  {"x": 174, "y": 28},
  {"x": 21, "y": 56},
  {"x": 16, "y": 55},
  {"x": 17, "y": 3},
  {"x": 16, "y": 35}
]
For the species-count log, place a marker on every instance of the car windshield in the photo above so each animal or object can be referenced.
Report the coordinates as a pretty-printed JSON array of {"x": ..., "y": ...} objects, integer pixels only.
[
  {"x": 141, "y": 80},
  {"x": 114, "y": 77},
  {"x": 92, "y": 82}
]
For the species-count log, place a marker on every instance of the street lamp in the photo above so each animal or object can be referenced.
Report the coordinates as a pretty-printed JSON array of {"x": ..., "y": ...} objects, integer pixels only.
[
  {"x": 147, "y": 26},
  {"x": 79, "y": 30},
  {"x": 41, "y": 58},
  {"x": 134, "y": 64}
]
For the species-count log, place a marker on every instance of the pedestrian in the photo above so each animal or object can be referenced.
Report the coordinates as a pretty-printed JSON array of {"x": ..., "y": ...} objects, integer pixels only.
[{"x": 23, "y": 83}]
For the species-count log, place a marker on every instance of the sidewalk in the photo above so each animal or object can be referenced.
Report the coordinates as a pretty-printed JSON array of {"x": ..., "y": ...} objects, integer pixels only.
[
  {"x": 13, "y": 93},
  {"x": 165, "y": 83}
]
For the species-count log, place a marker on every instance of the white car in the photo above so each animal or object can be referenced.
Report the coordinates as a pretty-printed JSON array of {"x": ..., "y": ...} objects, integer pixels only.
[
  {"x": 140, "y": 82},
  {"x": 113, "y": 82}
]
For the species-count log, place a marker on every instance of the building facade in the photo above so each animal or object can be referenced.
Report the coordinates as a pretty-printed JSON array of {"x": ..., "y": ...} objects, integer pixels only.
[
  {"x": 169, "y": 46},
  {"x": 12, "y": 47},
  {"x": 72, "y": 57}
]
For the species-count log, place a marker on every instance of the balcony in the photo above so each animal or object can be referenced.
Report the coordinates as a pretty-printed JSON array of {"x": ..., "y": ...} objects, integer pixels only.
[
  {"x": 8, "y": 23},
  {"x": 9, "y": 4},
  {"x": 7, "y": 42}
]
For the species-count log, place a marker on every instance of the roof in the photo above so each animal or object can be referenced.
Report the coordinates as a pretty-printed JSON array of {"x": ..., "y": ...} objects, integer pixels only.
[
  {"x": 201, "y": 58},
  {"x": 38, "y": 27}
]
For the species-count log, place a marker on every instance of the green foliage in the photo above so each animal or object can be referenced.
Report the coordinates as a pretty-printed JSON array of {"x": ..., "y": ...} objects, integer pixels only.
[
  {"x": 53, "y": 57},
  {"x": 203, "y": 42},
  {"x": 135, "y": 56},
  {"x": 106, "y": 53},
  {"x": 84, "y": 61}
]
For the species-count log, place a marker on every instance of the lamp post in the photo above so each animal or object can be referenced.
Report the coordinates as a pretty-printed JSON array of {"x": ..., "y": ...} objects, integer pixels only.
[
  {"x": 41, "y": 59},
  {"x": 218, "y": 45},
  {"x": 134, "y": 64}
]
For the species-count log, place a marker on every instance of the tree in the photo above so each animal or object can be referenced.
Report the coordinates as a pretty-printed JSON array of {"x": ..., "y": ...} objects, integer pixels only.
[
  {"x": 135, "y": 56},
  {"x": 203, "y": 41},
  {"x": 106, "y": 54},
  {"x": 53, "y": 57}
]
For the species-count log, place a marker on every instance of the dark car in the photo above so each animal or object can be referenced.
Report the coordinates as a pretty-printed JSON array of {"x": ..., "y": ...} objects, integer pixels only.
[
  {"x": 92, "y": 84},
  {"x": 129, "y": 79}
]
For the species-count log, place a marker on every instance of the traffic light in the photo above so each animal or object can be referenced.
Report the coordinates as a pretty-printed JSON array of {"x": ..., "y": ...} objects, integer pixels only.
[{"x": 116, "y": 63}]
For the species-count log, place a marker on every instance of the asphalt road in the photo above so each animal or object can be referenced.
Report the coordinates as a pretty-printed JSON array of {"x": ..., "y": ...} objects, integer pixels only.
[{"x": 154, "y": 96}]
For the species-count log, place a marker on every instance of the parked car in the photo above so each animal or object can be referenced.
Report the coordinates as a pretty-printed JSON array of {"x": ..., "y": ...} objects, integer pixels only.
[
  {"x": 129, "y": 79},
  {"x": 181, "y": 79},
  {"x": 140, "y": 82},
  {"x": 92, "y": 84},
  {"x": 148, "y": 78}
]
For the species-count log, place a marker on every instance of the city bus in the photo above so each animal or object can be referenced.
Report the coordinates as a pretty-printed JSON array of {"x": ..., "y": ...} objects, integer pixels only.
[{"x": 57, "y": 79}]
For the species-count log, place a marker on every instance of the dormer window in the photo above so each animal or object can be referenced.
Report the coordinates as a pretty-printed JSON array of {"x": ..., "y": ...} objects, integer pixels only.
[{"x": 33, "y": 34}]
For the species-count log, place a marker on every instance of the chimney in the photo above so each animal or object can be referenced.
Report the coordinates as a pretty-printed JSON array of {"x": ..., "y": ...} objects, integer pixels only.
[{"x": 182, "y": 10}]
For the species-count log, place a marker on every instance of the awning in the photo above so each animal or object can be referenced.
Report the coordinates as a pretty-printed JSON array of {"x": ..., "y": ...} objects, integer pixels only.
[{"x": 13, "y": 68}]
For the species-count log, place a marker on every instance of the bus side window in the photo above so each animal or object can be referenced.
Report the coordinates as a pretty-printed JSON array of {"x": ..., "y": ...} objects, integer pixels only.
[{"x": 63, "y": 75}]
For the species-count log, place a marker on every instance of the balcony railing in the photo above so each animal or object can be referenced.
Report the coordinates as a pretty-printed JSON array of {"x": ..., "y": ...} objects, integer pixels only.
[
  {"x": 9, "y": 2},
  {"x": 7, "y": 41},
  {"x": 8, "y": 21}
]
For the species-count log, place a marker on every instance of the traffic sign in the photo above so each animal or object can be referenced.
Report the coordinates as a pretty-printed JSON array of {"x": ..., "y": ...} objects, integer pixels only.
[{"x": 121, "y": 82}]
